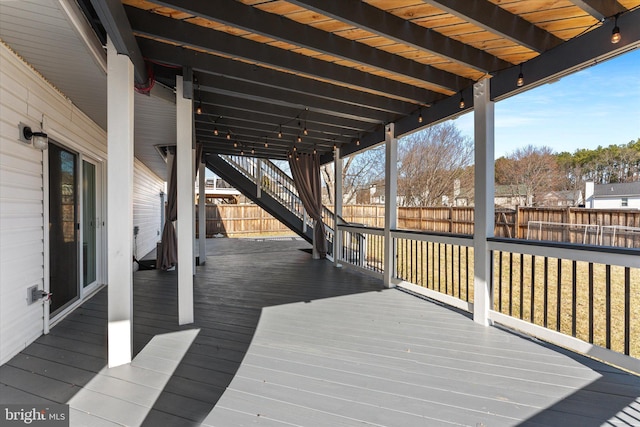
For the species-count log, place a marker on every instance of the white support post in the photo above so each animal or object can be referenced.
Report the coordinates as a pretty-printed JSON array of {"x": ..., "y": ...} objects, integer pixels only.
[
  {"x": 120, "y": 102},
  {"x": 390, "y": 201},
  {"x": 484, "y": 205},
  {"x": 337, "y": 235},
  {"x": 202, "y": 214},
  {"x": 304, "y": 220},
  {"x": 259, "y": 179},
  {"x": 194, "y": 170},
  {"x": 185, "y": 199}
]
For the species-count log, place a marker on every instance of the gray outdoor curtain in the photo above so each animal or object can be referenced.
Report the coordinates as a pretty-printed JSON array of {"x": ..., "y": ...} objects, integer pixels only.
[
  {"x": 305, "y": 169},
  {"x": 168, "y": 255}
]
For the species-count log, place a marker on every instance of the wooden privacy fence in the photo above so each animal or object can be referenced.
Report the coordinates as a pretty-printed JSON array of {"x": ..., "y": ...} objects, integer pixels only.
[
  {"x": 610, "y": 227},
  {"x": 236, "y": 220}
]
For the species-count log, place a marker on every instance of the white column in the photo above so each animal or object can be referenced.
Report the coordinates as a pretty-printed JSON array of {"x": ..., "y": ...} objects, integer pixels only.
[
  {"x": 390, "y": 201},
  {"x": 194, "y": 170},
  {"x": 185, "y": 199},
  {"x": 119, "y": 206},
  {"x": 337, "y": 182},
  {"x": 484, "y": 204},
  {"x": 259, "y": 179},
  {"x": 202, "y": 214}
]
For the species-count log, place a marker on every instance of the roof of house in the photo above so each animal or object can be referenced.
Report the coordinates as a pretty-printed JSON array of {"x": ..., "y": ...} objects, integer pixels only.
[
  {"x": 617, "y": 189},
  {"x": 510, "y": 190}
]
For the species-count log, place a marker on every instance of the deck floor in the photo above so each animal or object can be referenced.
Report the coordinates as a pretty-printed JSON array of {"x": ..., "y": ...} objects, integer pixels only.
[{"x": 280, "y": 339}]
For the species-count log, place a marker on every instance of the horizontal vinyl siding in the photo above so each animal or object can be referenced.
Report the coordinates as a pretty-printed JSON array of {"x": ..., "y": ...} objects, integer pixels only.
[
  {"x": 146, "y": 208},
  {"x": 26, "y": 97}
]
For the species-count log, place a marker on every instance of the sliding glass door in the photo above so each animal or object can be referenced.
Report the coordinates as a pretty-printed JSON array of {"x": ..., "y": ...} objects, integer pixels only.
[{"x": 63, "y": 227}]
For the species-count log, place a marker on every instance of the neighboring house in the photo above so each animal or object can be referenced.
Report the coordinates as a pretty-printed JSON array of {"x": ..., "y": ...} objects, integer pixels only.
[
  {"x": 624, "y": 195},
  {"x": 511, "y": 196},
  {"x": 218, "y": 191},
  {"x": 564, "y": 198}
]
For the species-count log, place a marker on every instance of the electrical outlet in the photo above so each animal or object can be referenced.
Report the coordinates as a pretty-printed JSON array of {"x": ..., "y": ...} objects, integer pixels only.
[{"x": 33, "y": 294}]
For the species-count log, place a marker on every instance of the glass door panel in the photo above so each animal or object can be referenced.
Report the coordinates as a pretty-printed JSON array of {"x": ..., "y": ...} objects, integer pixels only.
[
  {"x": 89, "y": 219},
  {"x": 63, "y": 235}
]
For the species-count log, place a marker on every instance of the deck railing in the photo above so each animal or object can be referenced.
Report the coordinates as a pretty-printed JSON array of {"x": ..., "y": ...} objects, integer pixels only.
[
  {"x": 362, "y": 247},
  {"x": 588, "y": 293},
  {"x": 440, "y": 262}
]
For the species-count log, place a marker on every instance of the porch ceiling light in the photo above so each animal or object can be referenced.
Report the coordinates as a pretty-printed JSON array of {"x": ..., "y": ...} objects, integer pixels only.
[
  {"x": 615, "y": 34},
  {"x": 40, "y": 140}
]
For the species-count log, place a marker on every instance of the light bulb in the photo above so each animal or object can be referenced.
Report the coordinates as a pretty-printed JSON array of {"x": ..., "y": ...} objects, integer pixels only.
[
  {"x": 615, "y": 35},
  {"x": 215, "y": 131},
  {"x": 420, "y": 118},
  {"x": 228, "y": 135},
  {"x": 520, "y": 81},
  {"x": 461, "y": 102}
]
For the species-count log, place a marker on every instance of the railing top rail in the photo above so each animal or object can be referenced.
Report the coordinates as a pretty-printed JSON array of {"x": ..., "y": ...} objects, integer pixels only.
[
  {"x": 361, "y": 229},
  {"x": 433, "y": 233},
  {"x": 626, "y": 257}
]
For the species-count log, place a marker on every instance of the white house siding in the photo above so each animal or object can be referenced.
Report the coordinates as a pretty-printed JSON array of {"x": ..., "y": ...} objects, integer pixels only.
[
  {"x": 26, "y": 97},
  {"x": 633, "y": 202},
  {"x": 146, "y": 208}
]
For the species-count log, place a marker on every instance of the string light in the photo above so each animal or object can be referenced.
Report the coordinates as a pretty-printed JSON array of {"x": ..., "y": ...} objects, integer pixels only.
[
  {"x": 358, "y": 141},
  {"x": 215, "y": 131},
  {"x": 461, "y": 105},
  {"x": 228, "y": 134},
  {"x": 266, "y": 144},
  {"x": 615, "y": 34},
  {"x": 294, "y": 148},
  {"x": 235, "y": 144},
  {"x": 280, "y": 132},
  {"x": 253, "y": 151},
  {"x": 420, "y": 117},
  {"x": 299, "y": 138},
  {"x": 520, "y": 81},
  {"x": 199, "y": 109},
  {"x": 315, "y": 151}
]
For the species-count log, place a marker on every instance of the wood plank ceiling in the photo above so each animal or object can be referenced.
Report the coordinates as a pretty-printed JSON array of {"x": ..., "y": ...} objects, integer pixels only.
[{"x": 269, "y": 75}]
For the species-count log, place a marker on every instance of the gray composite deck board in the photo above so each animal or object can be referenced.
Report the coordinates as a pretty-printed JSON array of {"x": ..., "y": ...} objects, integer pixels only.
[{"x": 285, "y": 340}]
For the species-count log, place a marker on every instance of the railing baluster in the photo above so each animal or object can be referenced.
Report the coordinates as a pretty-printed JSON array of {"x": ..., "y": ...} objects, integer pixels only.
[
  {"x": 559, "y": 296},
  {"x": 574, "y": 299},
  {"x": 591, "y": 296},
  {"x": 467, "y": 270},
  {"x": 546, "y": 291},
  {"x": 521, "y": 286},
  {"x": 627, "y": 311},
  {"x": 533, "y": 287},
  {"x": 608, "y": 304},
  {"x": 510, "y": 283},
  {"x": 500, "y": 281}
]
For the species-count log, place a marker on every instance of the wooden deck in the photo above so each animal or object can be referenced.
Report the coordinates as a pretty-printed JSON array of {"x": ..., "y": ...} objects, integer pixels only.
[{"x": 280, "y": 339}]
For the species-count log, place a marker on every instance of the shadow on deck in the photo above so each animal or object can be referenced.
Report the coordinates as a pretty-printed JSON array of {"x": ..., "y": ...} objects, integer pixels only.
[{"x": 285, "y": 340}]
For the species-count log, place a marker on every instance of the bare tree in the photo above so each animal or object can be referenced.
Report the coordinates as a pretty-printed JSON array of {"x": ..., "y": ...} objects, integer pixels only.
[
  {"x": 535, "y": 169},
  {"x": 430, "y": 162},
  {"x": 359, "y": 172}
]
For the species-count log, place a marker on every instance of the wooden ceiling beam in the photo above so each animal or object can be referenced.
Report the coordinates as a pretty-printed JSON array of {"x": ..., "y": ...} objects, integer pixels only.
[
  {"x": 251, "y": 19},
  {"x": 218, "y": 66},
  {"x": 600, "y": 9},
  {"x": 114, "y": 20},
  {"x": 498, "y": 21},
  {"x": 200, "y": 38},
  {"x": 381, "y": 23}
]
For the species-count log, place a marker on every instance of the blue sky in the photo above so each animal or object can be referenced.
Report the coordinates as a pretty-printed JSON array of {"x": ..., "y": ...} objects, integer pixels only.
[{"x": 596, "y": 106}]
